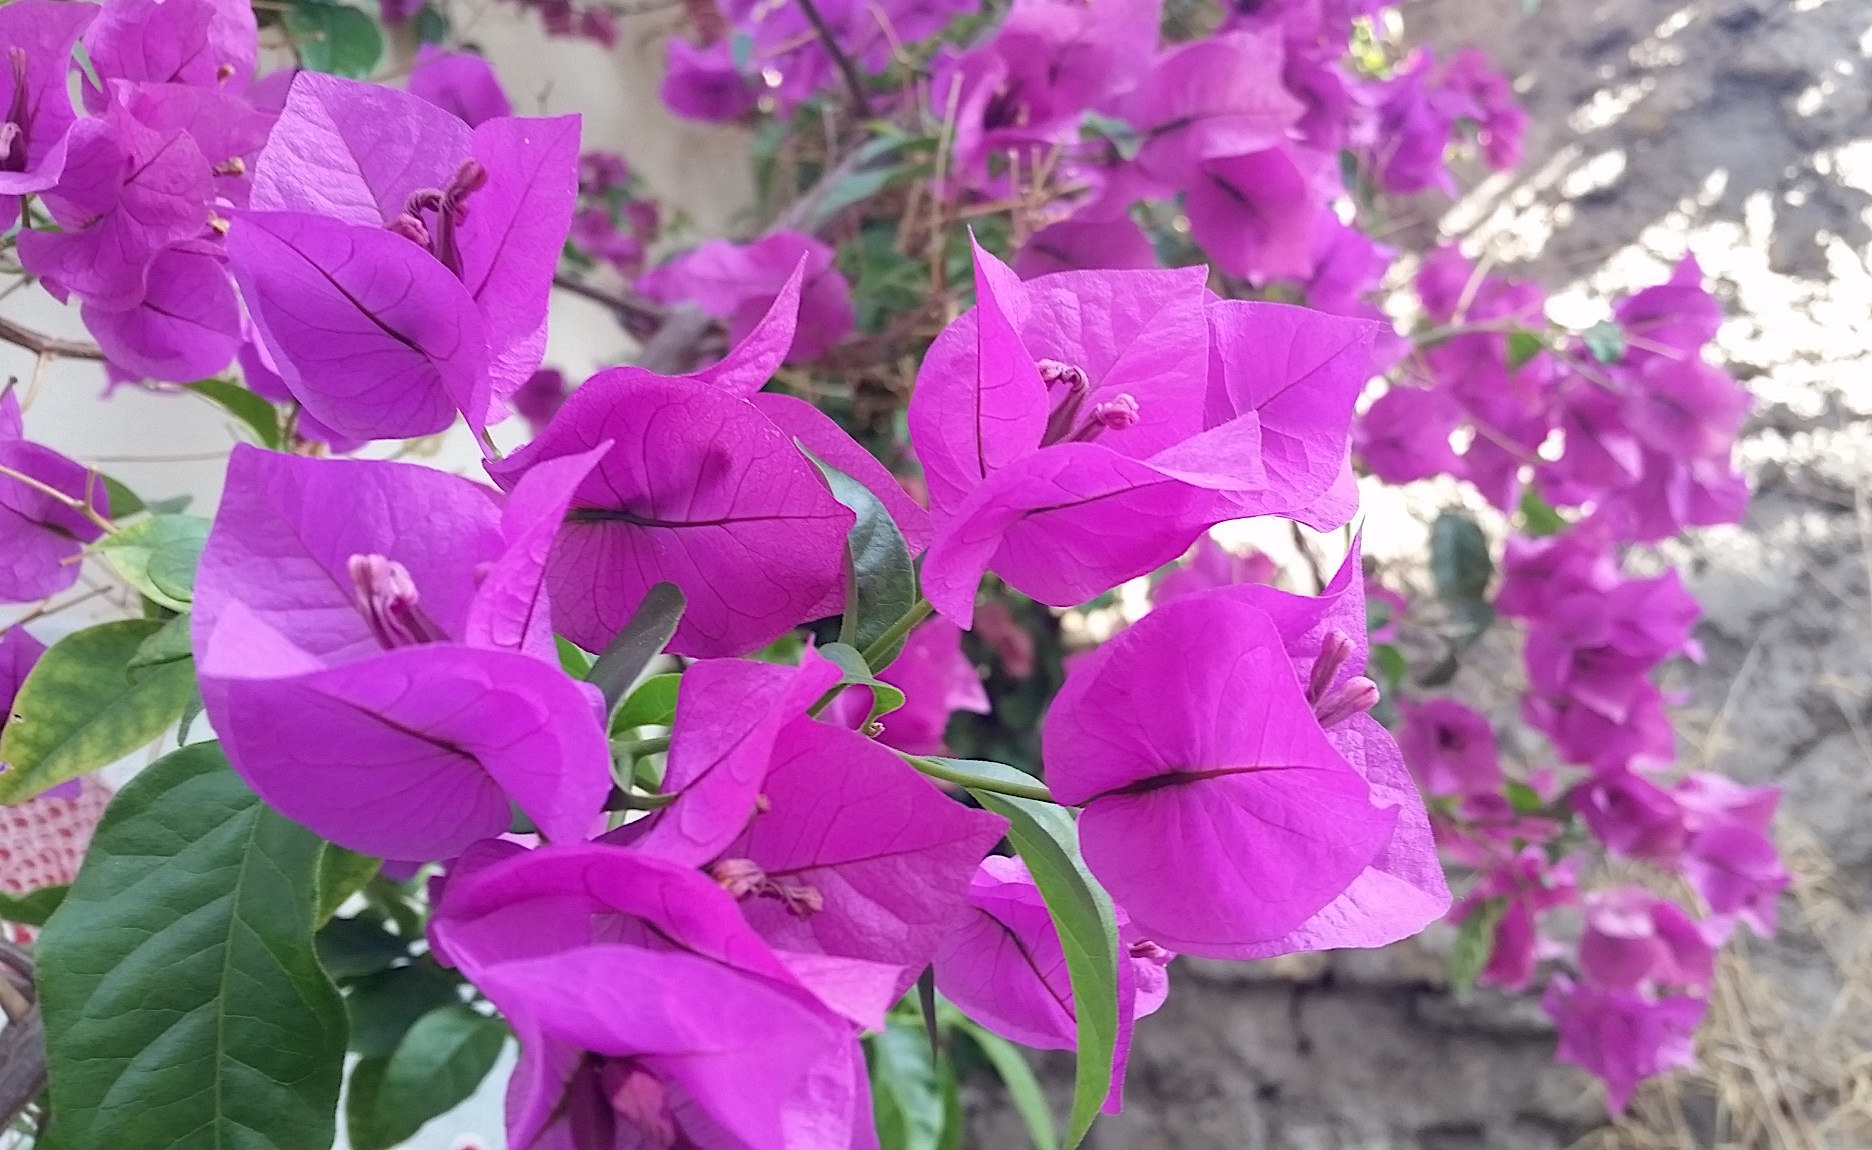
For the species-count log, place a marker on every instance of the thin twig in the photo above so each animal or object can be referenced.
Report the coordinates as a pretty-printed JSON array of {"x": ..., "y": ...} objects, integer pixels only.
[
  {"x": 846, "y": 67},
  {"x": 633, "y": 310},
  {"x": 19, "y": 335}
]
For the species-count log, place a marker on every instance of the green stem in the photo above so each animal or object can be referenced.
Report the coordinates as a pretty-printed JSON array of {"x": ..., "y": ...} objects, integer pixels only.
[
  {"x": 918, "y": 612},
  {"x": 935, "y": 770},
  {"x": 636, "y": 748}
]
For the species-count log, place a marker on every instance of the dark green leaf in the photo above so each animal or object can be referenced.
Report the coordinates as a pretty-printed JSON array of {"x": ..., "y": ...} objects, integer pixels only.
[
  {"x": 1023, "y": 1086},
  {"x": 334, "y": 38},
  {"x": 253, "y": 410},
  {"x": 882, "y": 585},
  {"x": 1471, "y": 618},
  {"x": 168, "y": 645},
  {"x": 33, "y": 907},
  {"x": 438, "y": 1064},
  {"x": 79, "y": 709},
  {"x": 903, "y": 1069},
  {"x": 884, "y": 697},
  {"x": 341, "y": 874},
  {"x": 1047, "y": 839},
  {"x": 1459, "y": 558},
  {"x": 641, "y": 640},
  {"x": 1538, "y": 518},
  {"x": 355, "y": 947},
  {"x": 1605, "y": 340},
  {"x": 432, "y": 27},
  {"x": 1523, "y": 346},
  {"x": 383, "y": 1006},
  {"x": 185, "y": 1008},
  {"x": 158, "y": 556},
  {"x": 652, "y": 704},
  {"x": 1474, "y": 940}
]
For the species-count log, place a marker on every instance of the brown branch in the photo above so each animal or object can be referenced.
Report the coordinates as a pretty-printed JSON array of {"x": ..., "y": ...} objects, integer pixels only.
[
  {"x": 22, "y": 1043},
  {"x": 19, "y": 335},
  {"x": 853, "y": 81},
  {"x": 638, "y": 315}
]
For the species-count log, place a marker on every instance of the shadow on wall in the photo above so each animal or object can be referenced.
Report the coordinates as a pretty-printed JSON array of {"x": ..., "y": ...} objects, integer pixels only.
[{"x": 1649, "y": 112}]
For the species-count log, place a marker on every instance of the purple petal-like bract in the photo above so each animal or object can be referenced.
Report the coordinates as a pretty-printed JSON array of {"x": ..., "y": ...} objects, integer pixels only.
[
  {"x": 460, "y": 82},
  {"x": 36, "y": 100},
  {"x": 734, "y": 1050},
  {"x": 1216, "y": 810},
  {"x": 41, "y": 538},
  {"x": 188, "y": 326},
  {"x": 699, "y": 489},
  {"x": 883, "y": 856},
  {"x": 373, "y": 335}
]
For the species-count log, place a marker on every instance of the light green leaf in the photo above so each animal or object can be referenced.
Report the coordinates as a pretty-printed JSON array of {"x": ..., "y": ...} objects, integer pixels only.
[
  {"x": 881, "y": 583},
  {"x": 79, "y": 709},
  {"x": 158, "y": 556},
  {"x": 1605, "y": 341},
  {"x": 1047, "y": 839},
  {"x": 856, "y": 673},
  {"x": 438, "y": 1065},
  {"x": 168, "y": 645},
  {"x": 341, "y": 874},
  {"x": 1523, "y": 346},
  {"x": 1474, "y": 940},
  {"x": 905, "y": 1089},
  {"x": 652, "y": 704},
  {"x": 335, "y": 38},
  {"x": 252, "y": 409},
  {"x": 574, "y": 660},
  {"x": 184, "y": 1007},
  {"x": 1023, "y": 1086},
  {"x": 1538, "y": 518}
]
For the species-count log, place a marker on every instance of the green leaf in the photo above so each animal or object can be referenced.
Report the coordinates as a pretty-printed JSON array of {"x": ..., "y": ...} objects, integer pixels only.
[
  {"x": 1523, "y": 346},
  {"x": 170, "y": 644},
  {"x": 1605, "y": 340},
  {"x": 904, "y": 1086},
  {"x": 185, "y": 1008},
  {"x": 574, "y": 660},
  {"x": 881, "y": 583},
  {"x": 1023, "y": 1086},
  {"x": 158, "y": 556},
  {"x": 33, "y": 907},
  {"x": 1538, "y": 518},
  {"x": 652, "y": 704},
  {"x": 857, "y": 673},
  {"x": 252, "y": 409},
  {"x": 640, "y": 640},
  {"x": 432, "y": 27},
  {"x": 435, "y": 1068},
  {"x": 1523, "y": 799},
  {"x": 121, "y": 501},
  {"x": 334, "y": 38},
  {"x": 854, "y": 188},
  {"x": 341, "y": 874},
  {"x": 1474, "y": 940},
  {"x": 1391, "y": 665},
  {"x": 79, "y": 709},
  {"x": 1459, "y": 558},
  {"x": 1047, "y": 839},
  {"x": 355, "y": 947},
  {"x": 383, "y": 1006}
]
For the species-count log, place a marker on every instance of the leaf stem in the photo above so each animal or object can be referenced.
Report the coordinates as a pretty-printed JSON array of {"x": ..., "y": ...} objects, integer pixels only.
[
  {"x": 935, "y": 770},
  {"x": 894, "y": 634}
]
